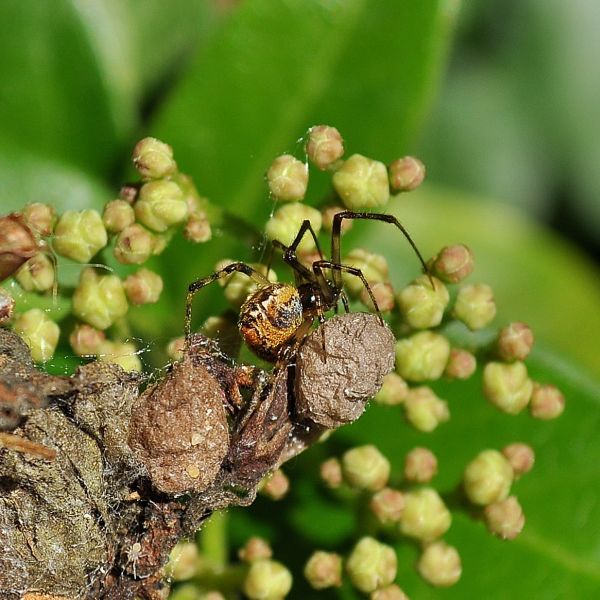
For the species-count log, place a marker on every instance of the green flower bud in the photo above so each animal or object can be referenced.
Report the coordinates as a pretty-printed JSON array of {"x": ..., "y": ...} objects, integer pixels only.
[
  {"x": 362, "y": 183},
  {"x": 197, "y": 229},
  {"x": 7, "y": 306},
  {"x": 325, "y": 146},
  {"x": 387, "y": 505},
  {"x": 328, "y": 213},
  {"x": 365, "y": 468},
  {"x": 424, "y": 410},
  {"x": 123, "y": 354},
  {"x": 383, "y": 294},
  {"x": 389, "y": 592},
  {"x": 117, "y": 215},
  {"x": 99, "y": 299},
  {"x": 505, "y": 518},
  {"x": 331, "y": 473},
  {"x": 547, "y": 401},
  {"x": 373, "y": 266},
  {"x": 256, "y": 548},
  {"x": 161, "y": 241},
  {"x": 287, "y": 178},
  {"x": 153, "y": 159},
  {"x": 393, "y": 391},
  {"x": 323, "y": 570},
  {"x": 275, "y": 486},
  {"x": 184, "y": 561},
  {"x": 37, "y": 274},
  {"x": 239, "y": 286},
  {"x": 515, "y": 341},
  {"x": 160, "y": 205},
  {"x": 134, "y": 245},
  {"x": 475, "y": 305},
  {"x": 425, "y": 515},
  {"x": 79, "y": 235},
  {"x": 188, "y": 591},
  {"x": 521, "y": 458},
  {"x": 286, "y": 222},
  {"x": 422, "y": 356},
  {"x": 39, "y": 333},
  {"x": 213, "y": 595},
  {"x": 86, "y": 341},
  {"x": 267, "y": 580},
  {"x": 461, "y": 364},
  {"x": 453, "y": 263},
  {"x": 507, "y": 386},
  {"x": 420, "y": 465},
  {"x": 175, "y": 348},
  {"x": 406, "y": 174},
  {"x": 371, "y": 565},
  {"x": 421, "y": 305},
  {"x": 440, "y": 564},
  {"x": 487, "y": 478},
  {"x": 40, "y": 218},
  {"x": 143, "y": 287}
]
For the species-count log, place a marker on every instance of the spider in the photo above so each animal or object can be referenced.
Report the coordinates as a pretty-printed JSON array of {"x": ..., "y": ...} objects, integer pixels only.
[{"x": 277, "y": 316}]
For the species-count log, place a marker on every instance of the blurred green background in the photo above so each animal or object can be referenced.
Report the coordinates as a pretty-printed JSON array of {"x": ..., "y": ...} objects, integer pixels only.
[{"x": 501, "y": 101}]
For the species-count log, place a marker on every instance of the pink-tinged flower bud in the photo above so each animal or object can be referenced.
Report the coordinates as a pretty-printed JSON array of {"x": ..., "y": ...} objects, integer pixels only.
[
  {"x": 547, "y": 401},
  {"x": 40, "y": 218},
  {"x": 362, "y": 183},
  {"x": 129, "y": 192},
  {"x": 440, "y": 564},
  {"x": 323, "y": 570},
  {"x": 255, "y": 548},
  {"x": 365, "y": 468},
  {"x": 143, "y": 287},
  {"x": 153, "y": 159},
  {"x": 422, "y": 305},
  {"x": 420, "y": 465},
  {"x": 276, "y": 486},
  {"x": 134, "y": 245},
  {"x": 124, "y": 354},
  {"x": 383, "y": 294},
  {"x": 175, "y": 348},
  {"x": 79, "y": 235},
  {"x": 160, "y": 205},
  {"x": 37, "y": 274},
  {"x": 461, "y": 364},
  {"x": 406, "y": 174},
  {"x": 515, "y": 341},
  {"x": 393, "y": 391},
  {"x": 325, "y": 146},
  {"x": 487, "y": 478},
  {"x": 328, "y": 213},
  {"x": 422, "y": 356},
  {"x": 287, "y": 178},
  {"x": 117, "y": 215},
  {"x": 17, "y": 244},
  {"x": 7, "y": 306},
  {"x": 86, "y": 341},
  {"x": 424, "y": 410},
  {"x": 389, "y": 592},
  {"x": 505, "y": 518},
  {"x": 425, "y": 516},
  {"x": 267, "y": 580},
  {"x": 39, "y": 332},
  {"x": 197, "y": 229},
  {"x": 387, "y": 505},
  {"x": 184, "y": 561},
  {"x": 371, "y": 565},
  {"x": 507, "y": 386},
  {"x": 453, "y": 263},
  {"x": 330, "y": 472},
  {"x": 475, "y": 305},
  {"x": 521, "y": 458},
  {"x": 373, "y": 266}
]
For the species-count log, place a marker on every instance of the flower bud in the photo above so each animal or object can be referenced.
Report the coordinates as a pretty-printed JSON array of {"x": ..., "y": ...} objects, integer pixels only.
[
  {"x": 425, "y": 515},
  {"x": 373, "y": 266},
  {"x": 39, "y": 333},
  {"x": 130, "y": 192},
  {"x": 17, "y": 244},
  {"x": 515, "y": 341},
  {"x": 507, "y": 386},
  {"x": 256, "y": 548},
  {"x": 406, "y": 174},
  {"x": 422, "y": 356},
  {"x": 183, "y": 561},
  {"x": 383, "y": 294},
  {"x": 37, "y": 274},
  {"x": 328, "y": 213},
  {"x": 389, "y": 592},
  {"x": 99, "y": 299},
  {"x": 161, "y": 241},
  {"x": 213, "y": 595},
  {"x": 371, "y": 565},
  {"x": 440, "y": 564},
  {"x": 160, "y": 205},
  {"x": 488, "y": 478},
  {"x": 134, "y": 245},
  {"x": 286, "y": 222},
  {"x": 521, "y": 458},
  {"x": 287, "y": 178},
  {"x": 117, "y": 215},
  {"x": 420, "y": 465},
  {"x": 124, "y": 354},
  {"x": 276, "y": 486},
  {"x": 393, "y": 391},
  {"x": 422, "y": 305},
  {"x": 424, "y": 410},
  {"x": 40, "y": 218},
  {"x": 323, "y": 570},
  {"x": 267, "y": 580},
  {"x": 325, "y": 146},
  {"x": 475, "y": 305},
  {"x": 365, "y": 468},
  {"x": 7, "y": 306},
  {"x": 362, "y": 183},
  {"x": 79, "y": 235},
  {"x": 175, "y": 348},
  {"x": 187, "y": 591},
  {"x": 153, "y": 159},
  {"x": 547, "y": 402},
  {"x": 239, "y": 286},
  {"x": 197, "y": 229},
  {"x": 387, "y": 505},
  {"x": 331, "y": 473},
  {"x": 86, "y": 341},
  {"x": 461, "y": 364},
  {"x": 143, "y": 287},
  {"x": 505, "y": 518},
  {"x": 453, "y": 263}
]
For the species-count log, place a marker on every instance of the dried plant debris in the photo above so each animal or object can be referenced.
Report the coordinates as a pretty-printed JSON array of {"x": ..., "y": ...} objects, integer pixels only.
[{"x": 128, "y": 474}]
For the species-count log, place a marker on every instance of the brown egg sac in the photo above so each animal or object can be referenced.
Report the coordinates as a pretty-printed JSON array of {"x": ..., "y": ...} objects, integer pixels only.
[{"x": 179, "y": 429}]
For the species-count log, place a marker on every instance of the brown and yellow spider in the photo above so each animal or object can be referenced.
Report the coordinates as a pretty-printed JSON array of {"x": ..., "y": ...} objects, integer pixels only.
[{"x": 277, "y": 316}]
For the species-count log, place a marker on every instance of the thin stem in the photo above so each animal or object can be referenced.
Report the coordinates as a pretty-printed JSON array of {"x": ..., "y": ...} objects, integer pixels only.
[{"x": 212, "y": 540}]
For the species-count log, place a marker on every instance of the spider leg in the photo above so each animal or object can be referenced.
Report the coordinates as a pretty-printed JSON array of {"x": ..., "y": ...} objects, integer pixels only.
[
  {"x": 289, "y": 252},
  {"x": 197, "y": 285}
]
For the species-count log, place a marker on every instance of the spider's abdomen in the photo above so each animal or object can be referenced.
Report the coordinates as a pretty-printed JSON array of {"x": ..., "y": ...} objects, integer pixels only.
[{"x": 269, "y": 318}]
